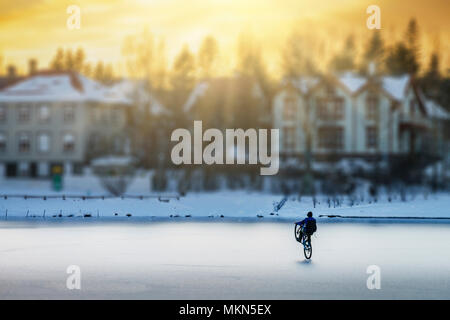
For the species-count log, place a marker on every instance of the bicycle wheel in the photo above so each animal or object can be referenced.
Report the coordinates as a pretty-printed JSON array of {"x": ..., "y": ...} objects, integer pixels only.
[
  {"x": 307, "y": 247},
  {"x": 297, "y": 230}
]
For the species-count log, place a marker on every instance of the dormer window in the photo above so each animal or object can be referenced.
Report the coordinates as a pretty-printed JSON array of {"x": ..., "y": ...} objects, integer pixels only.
[
  {"x": 330, "y": 108},
  {"x": 372, "y": 107},
  {"x": 289, "y": 109}
]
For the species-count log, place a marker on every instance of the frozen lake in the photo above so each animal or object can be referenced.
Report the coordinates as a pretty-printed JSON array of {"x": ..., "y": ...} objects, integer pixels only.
[{"x": 201, "y": 260}]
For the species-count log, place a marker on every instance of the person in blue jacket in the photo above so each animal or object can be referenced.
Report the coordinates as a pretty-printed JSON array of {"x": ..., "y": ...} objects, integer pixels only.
[{"x": 310, "y": 226}]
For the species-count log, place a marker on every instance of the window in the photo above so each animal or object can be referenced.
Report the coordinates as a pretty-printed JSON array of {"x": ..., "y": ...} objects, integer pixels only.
[
  {"x": 338, "y": 113},
  {"x": 43, "y": 142},
  {"x": 412, "y": 108},
  {"x": 331, "y": 137},
  {"x": 99, "y": 114},
  {"x": 24, "y": 113},
  {"x": 322, "y": 109},
  {"x": 2, "y": 142},
  {"x": 371, "y": 137},
  {"x": 94, "y": 141},
  {"x": 69, "y": 114},
  {"x": 115, "y": 114},
  {"x": 331, "y": 108},
  {"x": 289, "y": 109},
  {"x": 44, "y": 113},
  {"x": 289, "y": 138},
  {"x": 372, "y": 107},
  {"x": 3, "y": 113},
  {"x": 68, "y": 142},
  {"x": 23, "y": 169},
  {"x": 24, "y": 142},
  {"x": 117, "y": 145}
]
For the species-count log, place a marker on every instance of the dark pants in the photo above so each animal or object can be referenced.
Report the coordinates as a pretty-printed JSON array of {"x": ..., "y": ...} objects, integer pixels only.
[{"x": 307, "y": 234}]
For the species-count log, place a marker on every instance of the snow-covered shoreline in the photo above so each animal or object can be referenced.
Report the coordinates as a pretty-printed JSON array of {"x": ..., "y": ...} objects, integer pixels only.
[{"x": 226, "y": 205}]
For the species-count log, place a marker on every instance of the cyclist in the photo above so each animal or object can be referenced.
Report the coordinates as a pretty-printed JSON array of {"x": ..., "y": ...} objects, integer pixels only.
[{"x": 310, "y": 226}]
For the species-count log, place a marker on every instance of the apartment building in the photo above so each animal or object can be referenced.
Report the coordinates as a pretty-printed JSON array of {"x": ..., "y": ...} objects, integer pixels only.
[
  {"x": 59, "y": 119},
  {"x": 333, "y": 117}
]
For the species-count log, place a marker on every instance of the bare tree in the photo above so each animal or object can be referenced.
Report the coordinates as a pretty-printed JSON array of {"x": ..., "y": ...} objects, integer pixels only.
[{"x": 115, "y": 173}]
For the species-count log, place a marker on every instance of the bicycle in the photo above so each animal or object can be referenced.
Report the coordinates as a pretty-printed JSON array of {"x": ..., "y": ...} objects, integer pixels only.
[{"x": 305, "y": 241}]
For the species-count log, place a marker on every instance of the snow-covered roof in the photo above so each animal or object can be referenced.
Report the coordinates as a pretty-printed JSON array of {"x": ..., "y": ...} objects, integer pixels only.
[
  {"x": 136, "y": 91},
  {"x": 62, "y": 86},
  {"x": 304, "y": 84},
  {"x": 395, "y": 86},
  {"x": 435, "y": 111},
  {"x": 352, "y": 82}
]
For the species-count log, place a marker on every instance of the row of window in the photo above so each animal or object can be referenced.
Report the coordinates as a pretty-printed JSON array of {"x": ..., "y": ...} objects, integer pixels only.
[
  {"x": 24, "y": 114},
  {"x": 329, "y": 137},
  {"x": 43, "y": 142},
  {"x": 331, "y": 108}
]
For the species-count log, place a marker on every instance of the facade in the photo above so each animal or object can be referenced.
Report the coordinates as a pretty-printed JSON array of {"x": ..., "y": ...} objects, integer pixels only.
[
  {"x": 59, "y": 119},
  {"x": 334, "y": 117}
]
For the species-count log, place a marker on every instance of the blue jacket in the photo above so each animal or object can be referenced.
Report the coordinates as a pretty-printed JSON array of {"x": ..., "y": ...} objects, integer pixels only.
[
  {"x": 300, "y": 223},
  {"x": 310, "y": 224}
]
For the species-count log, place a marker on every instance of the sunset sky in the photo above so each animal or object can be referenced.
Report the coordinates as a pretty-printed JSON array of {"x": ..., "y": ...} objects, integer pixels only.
[{"x": 36, "y": 28}]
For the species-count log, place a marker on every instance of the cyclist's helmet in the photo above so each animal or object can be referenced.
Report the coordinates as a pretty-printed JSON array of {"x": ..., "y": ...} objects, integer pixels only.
[{"x": 310, "y": 214}]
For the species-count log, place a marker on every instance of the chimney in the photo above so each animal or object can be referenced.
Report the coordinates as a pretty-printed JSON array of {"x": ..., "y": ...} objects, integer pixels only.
[
  {"x": 32, "y": 66},
  {"x": 12, "y": 73}
]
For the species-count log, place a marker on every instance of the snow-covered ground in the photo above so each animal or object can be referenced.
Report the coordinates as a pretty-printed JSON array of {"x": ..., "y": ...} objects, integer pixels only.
[
  {"x": 205, "y": 205},
  {"x": 223, "y": 261}
]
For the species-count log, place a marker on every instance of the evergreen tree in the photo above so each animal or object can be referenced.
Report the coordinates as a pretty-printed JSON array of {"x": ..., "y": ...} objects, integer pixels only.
[
  {"x": 432, "y": 79},
  {"x": 99, "y": 72},
  {"x": 57, "y": 62},
  {"x": 78, "y": 64},
  {"x": 69, "y": 61},
  {"x": 345, "y": 61},
  {"x": 295, "y": 59},
  {"x": 412, "y": 43},
  {"x": 374, "y": 53},
  {"x": 207, "y": 56},
  {"x": 182, "y": 80},
  {"x": 399, "y": 60}
]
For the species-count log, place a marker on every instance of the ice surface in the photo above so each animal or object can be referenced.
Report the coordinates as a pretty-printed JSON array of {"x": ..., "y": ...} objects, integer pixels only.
[{"x": 223, "y": 261}]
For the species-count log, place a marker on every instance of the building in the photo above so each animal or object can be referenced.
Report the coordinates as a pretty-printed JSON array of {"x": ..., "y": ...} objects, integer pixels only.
[
  {"x": 59, "y": 119},
  {"x": 329, "y": 118}
]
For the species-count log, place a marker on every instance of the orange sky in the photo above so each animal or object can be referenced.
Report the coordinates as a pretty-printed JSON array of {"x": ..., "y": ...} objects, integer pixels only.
[{"x": 35, "y": 28}]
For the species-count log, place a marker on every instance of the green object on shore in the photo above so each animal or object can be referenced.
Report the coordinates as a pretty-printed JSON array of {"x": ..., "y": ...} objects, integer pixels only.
[{"x": 57, "y": 178}]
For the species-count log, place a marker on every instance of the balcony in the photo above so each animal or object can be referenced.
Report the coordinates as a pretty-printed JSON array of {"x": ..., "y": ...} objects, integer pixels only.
[{"x": 416, "y": 121}]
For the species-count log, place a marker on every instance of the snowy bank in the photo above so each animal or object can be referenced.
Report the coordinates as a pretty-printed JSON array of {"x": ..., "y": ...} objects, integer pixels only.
[{"x": 225, "y": 204}]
